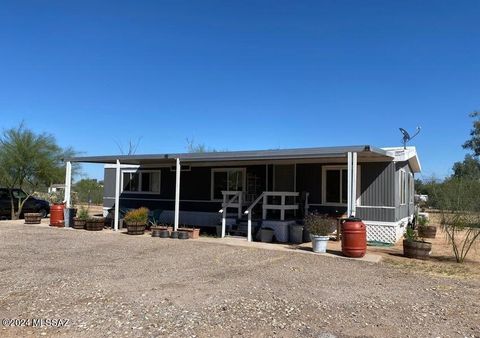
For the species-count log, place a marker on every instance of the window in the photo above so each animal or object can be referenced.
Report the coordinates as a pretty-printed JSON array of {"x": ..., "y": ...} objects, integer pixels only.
[
  {"x": 144, "y": 181},
  {"x": 231, "y": 179},
  {"x": 335, "y": 186},
  {"x": 403, "y": 186}
]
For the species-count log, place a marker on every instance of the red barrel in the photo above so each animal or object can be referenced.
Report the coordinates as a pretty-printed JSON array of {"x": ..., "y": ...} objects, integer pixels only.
[
  {"x": 354, "y": 238},
  {"x": 56, "y": 215}
]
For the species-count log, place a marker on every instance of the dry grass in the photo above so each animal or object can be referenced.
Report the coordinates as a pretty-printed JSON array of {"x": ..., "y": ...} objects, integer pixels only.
[{"x": 442, "y": 260}]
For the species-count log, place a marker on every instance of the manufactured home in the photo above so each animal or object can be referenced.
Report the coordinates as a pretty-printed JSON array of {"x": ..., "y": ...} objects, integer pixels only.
[{"x": 265, "y": 187}]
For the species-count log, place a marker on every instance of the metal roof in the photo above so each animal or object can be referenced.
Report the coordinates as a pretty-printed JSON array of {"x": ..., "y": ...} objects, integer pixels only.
[{"x": 250, "y": 155}]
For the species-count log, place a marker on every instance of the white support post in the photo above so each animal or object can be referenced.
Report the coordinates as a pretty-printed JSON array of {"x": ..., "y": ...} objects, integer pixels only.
[
  {"x": 282, "y": 211},
  {"x": 354, "y": 184},
  {"x": 249, "y": 227},
  {"x": 177, "y": 194},
  {"x": 68, "y": 183},
  {"x": 349, "y": 184},
  {"x": 224, "y": 213},
  {"x": 117, "y": 196}
]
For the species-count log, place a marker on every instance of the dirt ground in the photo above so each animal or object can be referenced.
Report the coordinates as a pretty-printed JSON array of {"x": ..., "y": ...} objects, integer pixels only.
[
  {"x": 111, "y": 284},
  {"x": 442, "y": 260}
]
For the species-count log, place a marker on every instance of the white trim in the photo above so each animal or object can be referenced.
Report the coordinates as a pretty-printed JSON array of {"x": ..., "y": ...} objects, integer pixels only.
[
  {"x": 122, "y": 166},
  {"x": 323, "y": 192},
  {"x": 244, "y": 180},
  {"x": 141, "y": 171}
]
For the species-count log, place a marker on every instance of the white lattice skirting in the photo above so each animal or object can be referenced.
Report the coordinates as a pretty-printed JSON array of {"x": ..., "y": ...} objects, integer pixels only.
[{"x": 388, "y": 233}]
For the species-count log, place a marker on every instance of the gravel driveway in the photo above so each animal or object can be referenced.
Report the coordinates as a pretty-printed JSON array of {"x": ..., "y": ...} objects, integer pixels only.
[{"x": 110, "y": 284}]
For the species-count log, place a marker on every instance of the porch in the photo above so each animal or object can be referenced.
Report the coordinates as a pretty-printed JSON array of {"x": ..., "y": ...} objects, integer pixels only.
[{"x": 272, "y": 188}]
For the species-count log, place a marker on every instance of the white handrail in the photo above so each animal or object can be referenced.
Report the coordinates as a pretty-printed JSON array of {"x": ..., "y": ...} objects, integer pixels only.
[
  {"x": 230, "y": 204},
  {"x": 254, "y": 203},
  {"x": 282, "y": 207}
]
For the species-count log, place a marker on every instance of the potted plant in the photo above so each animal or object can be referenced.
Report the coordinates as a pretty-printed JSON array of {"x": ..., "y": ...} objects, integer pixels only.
[
  {"x": 425, "y": 230},
  {"x": 136, "y": 221},
  {"x": 415, "y": 247},
  {"x": 80, "y": 221},
  {"x": 319, "y": 227}
]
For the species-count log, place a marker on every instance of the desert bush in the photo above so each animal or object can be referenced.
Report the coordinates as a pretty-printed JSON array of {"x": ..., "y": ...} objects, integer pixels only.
[
  {"x": 320, "y": 225},
  {"x": 139, "y": 215},
  {"x": 458, "y": 202}
]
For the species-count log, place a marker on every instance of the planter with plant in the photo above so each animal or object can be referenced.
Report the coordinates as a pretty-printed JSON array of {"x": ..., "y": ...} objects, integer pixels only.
[
  {"x": 319, "y": 227},
  {"x": 80, "y": 221},
  {"x": 136, "y": 221},
  {"x": 425, "y": 230},
  {"x": 415, "y": 247}
]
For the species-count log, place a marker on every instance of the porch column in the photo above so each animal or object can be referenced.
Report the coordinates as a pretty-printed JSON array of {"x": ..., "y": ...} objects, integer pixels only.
[
  {"x": 68, "y": 183},
  {"x": 351, "y": 183},
  {"x": 117, "y": 196},
  {"x": 177, "y": 193},
  {"x": 354, "y": 184}
]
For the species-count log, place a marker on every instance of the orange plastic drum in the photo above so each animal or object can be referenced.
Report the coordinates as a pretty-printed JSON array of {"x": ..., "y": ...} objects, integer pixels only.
[
  {"x": 354, "y": 238},
  {"x": 56, "y": 215}
]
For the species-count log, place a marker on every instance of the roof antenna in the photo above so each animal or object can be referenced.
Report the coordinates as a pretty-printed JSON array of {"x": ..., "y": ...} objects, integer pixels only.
[{"x": 407, "y": 137}]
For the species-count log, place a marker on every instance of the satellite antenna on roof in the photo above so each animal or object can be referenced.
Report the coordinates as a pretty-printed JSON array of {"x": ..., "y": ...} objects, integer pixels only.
[{"x": 407, "y": 137}]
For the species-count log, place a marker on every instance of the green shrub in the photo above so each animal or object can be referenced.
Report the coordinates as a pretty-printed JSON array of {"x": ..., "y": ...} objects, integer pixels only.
[
  {"x": 82, "y": 214},
  {"x": 458, "y": 201},
  {"x": 139, "y": 215}
]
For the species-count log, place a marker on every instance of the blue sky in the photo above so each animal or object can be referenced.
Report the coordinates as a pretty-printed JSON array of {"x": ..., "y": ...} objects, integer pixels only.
[{"x": 242, "y": 74}]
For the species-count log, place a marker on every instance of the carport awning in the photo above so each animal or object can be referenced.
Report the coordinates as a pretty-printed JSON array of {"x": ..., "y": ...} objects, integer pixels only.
[{"x": 364, "y": 151}]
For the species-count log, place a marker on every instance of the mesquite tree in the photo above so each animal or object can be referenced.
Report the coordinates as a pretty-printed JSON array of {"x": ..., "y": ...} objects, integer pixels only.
[
  {"x": 458, "y": 200},
  {"x": 28, "y": 161}
]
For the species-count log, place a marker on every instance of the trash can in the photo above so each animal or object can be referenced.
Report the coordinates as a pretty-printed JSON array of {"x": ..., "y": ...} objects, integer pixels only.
[
  {"x": 69, "y": 214},
  {"x": 296, "y": 234},
  {"x": 354, "y": 237}
]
